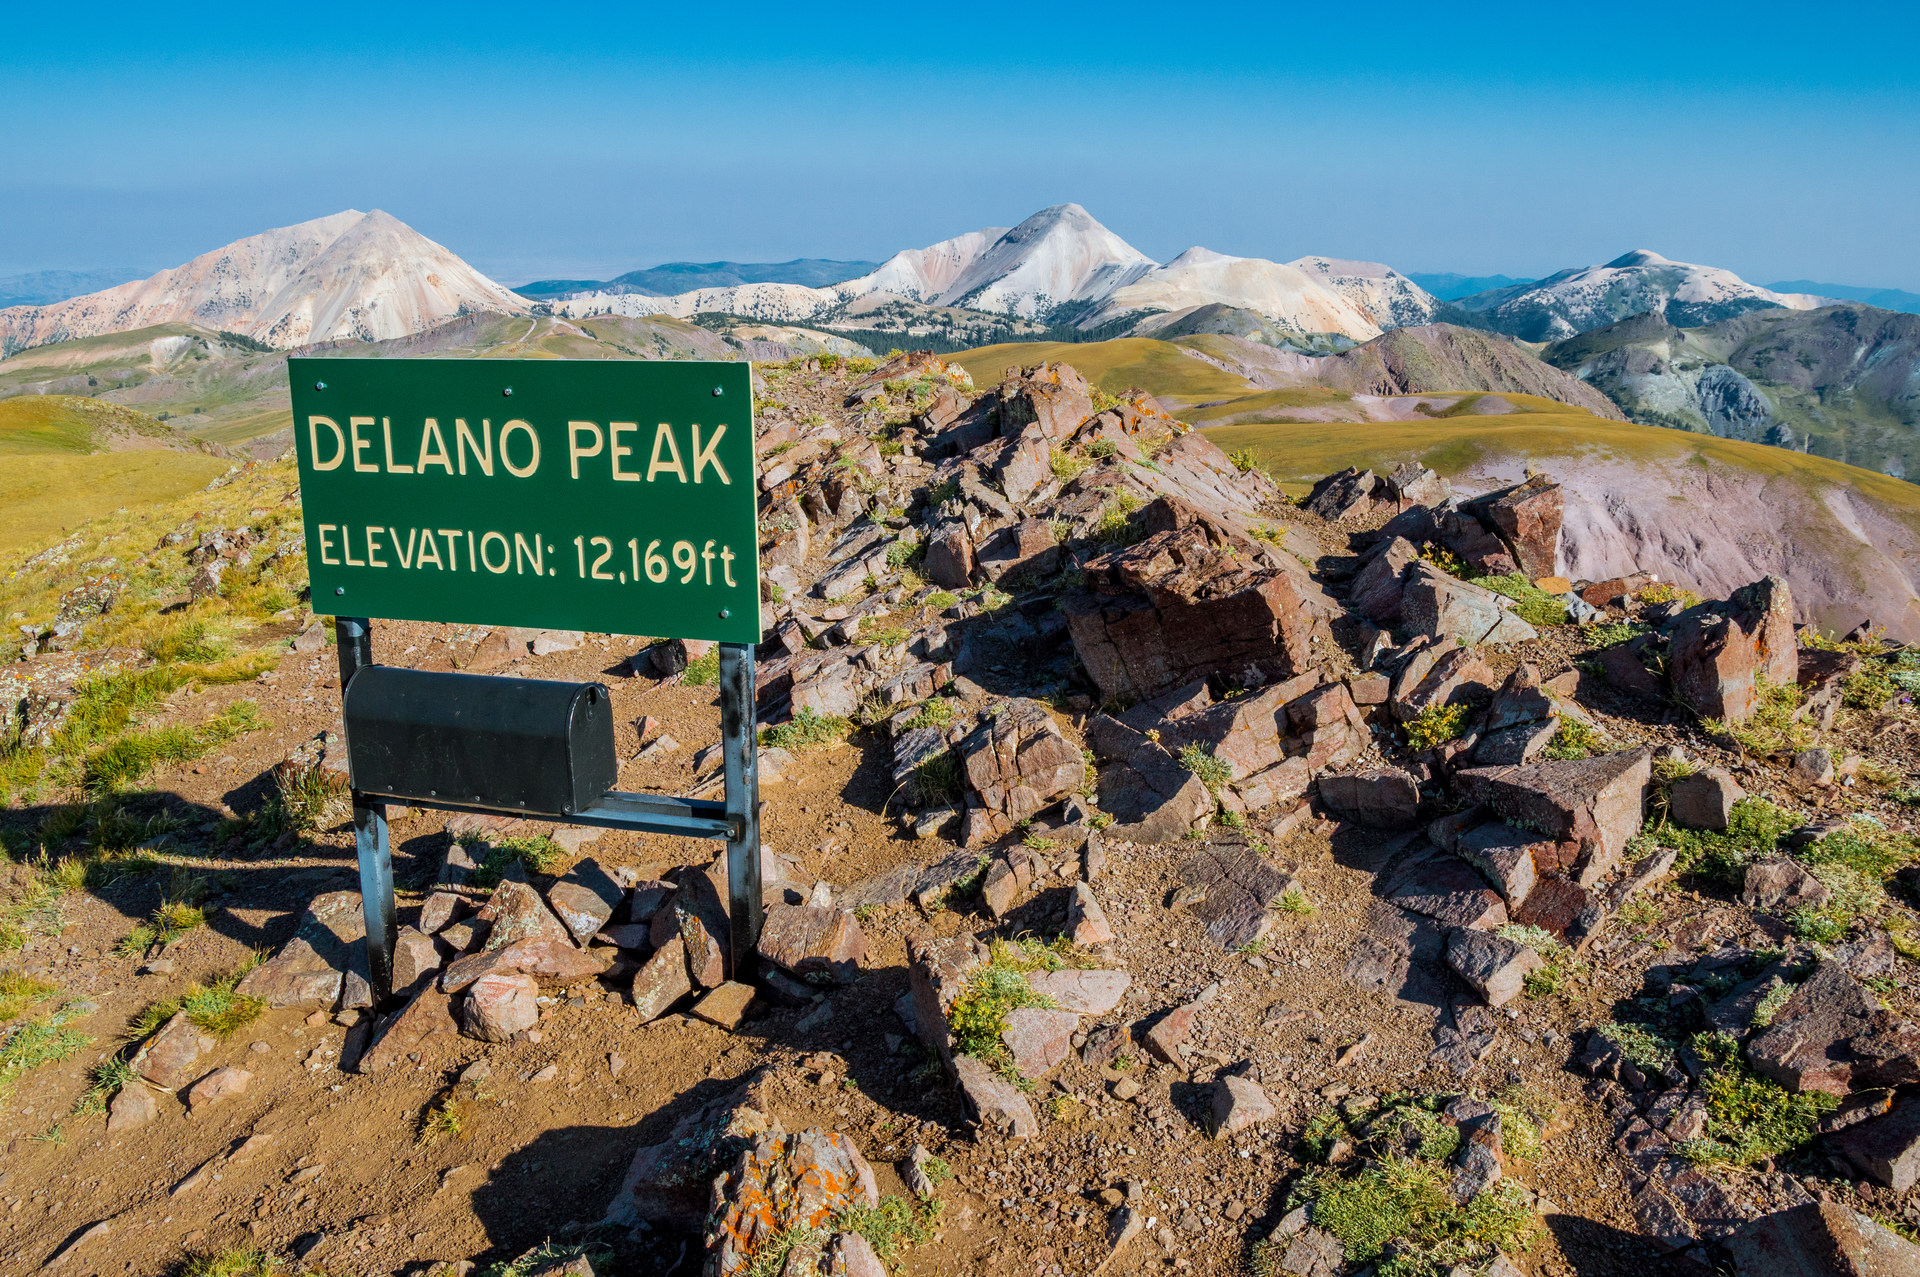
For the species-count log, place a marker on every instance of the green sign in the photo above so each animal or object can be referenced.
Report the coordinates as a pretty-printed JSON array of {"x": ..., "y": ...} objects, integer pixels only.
[{"x": 600, "y": 495}]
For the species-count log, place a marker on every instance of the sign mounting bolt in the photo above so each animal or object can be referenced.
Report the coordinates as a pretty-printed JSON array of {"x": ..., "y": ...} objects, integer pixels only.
[
  {"x": 718, "y": 391},
  {"x": 339, "y": 589},
  {"x": 319, "y": 385},
  {"x": 725, "y": 613},
  {"x": 508, "y": 392}
]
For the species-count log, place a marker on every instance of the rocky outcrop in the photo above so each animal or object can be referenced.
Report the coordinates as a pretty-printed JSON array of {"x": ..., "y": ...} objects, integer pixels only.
[{"x": 1188, "y": 602}]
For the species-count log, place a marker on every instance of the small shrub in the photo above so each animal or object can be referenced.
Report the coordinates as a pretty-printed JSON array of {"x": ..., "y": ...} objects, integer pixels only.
[
  {"x": 894, "y": 1223},
  {"x": 1066, "y": 466},
  {"x": 1643, "y": 1047},
  {"x": 937, "y": 712},
  {"x": 1214, "y": 772},
  {"x": 1868, "y": 688},
  {"x": 1769, "y": 1006},
  {"x": 1666, "y": 592},
  {"x": 1435, "y": 725},
  {"x": 1444, "y": 559},
  {"x": 1772, "y": 728},
  {"x": 941, "y": 600},
  {"x": 1402, "y": 1203},
  {"x": 537, "y": 852},
  {"x": 1574, "y": 739},
  {"x": 1749, "y": 1118},
  {"x": 1615, "y": 634}
]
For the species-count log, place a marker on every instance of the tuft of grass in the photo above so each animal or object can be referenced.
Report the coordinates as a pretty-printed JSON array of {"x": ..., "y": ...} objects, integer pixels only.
[
  {"x": 214, "y": 1007},
  {"x": 311, "y": 798},
  {"x": 1294, "y": 900},
  {"x": 703, "y": 671},
  {"x": 1533, "y": 604},
  {"x": 18, "y": 992},
  {"x": 1666, "y": 592},
  {"x": 127, "y": 759},
  {"x": 1066, "y": 466},
  {"x": 806, "y": 730},
  {"x": 238, "y": 1261},
  {"x": 442, "y": 1118},
  {"x": 43, "y": 1040},
  {"x": 941, "y": 600},
  {"x": 937, "y": 712},
  {"x": 1435, "y": 725},
  {"x": 1749, "y": 1118},
  {"x": 936, "y": 779},
  {"x": 770, "y": 1258},
  {"x": 103, "y": 1084}
]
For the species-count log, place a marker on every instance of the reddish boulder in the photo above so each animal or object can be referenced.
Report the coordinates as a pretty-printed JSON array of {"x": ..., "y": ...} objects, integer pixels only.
[
  {"x": 1718, "y": 651},
  {"x": 499, "y": 1005},
  {"x": 1384, "y": 798},
  {"x": 1528, "y": 519},
  {"x": 1016, "y": 763},
  {"x": 1027, "y": 548},
  {"x": 1187, "y": 603},
  {"x": 1832, "y": 1035},
  {"x": 1595, "y": 802},
  {"x": 669, "y": 1182},
  {"x": 171, "y": 1057},
  {"x": 1377, "y": 588},
  {"x": 1350, "y": 493},
  {"x": 819, "y": 944},
  {"x": 1054, "y": 397},
  {"x": 1820, "y": 1239},
  {"x": 949, "y": 558}
]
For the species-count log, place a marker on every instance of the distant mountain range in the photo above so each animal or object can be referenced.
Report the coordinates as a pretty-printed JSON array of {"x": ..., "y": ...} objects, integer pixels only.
[
  {"x": 37, "y": 288},
  {"x": 1062, "y": 269},
  {"x": 684, "y": 277},
  {"x": 1447, "y": 286},
  {"x": 1059, "y": 274},
  {"x": 1885, "y": 298}
]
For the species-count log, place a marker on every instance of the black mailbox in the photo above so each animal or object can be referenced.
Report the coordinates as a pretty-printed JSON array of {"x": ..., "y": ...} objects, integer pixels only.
[{"x": 515, "y": 744}]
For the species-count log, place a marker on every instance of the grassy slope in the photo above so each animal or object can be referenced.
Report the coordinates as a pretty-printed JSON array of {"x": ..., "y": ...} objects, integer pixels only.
[
  {"x": 51, "y": 480},
  {"x": 1300, "y": 452},
  {"x": 1114, "y": 366},
  {"x": 43, "y": 497}
]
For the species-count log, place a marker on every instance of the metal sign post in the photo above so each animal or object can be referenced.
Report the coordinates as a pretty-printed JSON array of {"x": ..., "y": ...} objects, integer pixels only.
[{"x": 611, "y": 496}]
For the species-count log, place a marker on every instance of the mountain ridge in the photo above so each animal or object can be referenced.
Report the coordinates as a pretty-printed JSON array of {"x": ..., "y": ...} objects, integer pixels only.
[{"x": 1580, "y": 299}]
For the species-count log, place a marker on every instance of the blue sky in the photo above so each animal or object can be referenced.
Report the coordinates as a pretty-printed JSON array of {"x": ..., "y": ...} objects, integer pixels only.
[{"x": 1778, "y": 141}]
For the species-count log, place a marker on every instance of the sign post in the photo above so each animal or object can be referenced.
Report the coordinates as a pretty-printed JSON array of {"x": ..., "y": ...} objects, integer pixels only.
[{"x": 613, "y": 496}]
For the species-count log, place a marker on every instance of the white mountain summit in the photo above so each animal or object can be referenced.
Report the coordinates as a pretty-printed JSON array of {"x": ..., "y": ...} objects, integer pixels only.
[
  {"x": 1061, "y": 261},
  {"x": 1589, "y": 297},
  {"x": 351, "y": 275}
]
